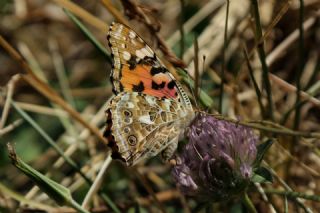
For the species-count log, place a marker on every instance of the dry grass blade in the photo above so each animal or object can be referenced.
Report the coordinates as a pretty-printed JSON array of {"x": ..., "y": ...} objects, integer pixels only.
[
  {"x": 150, "y": 190},
  {"x": 161, "y": 196},
  {"x": 211, "y": 39},
  {"x": 280, "y": 49},
  {"x": 97, "y": 182},
  {"x": 45, "y": 90},
  {"x": 67, "y": 108},
  {"x": 205, "y": 11},
  {"x": 6, "y": 108},
  {"x": 42, "y": 110},
  {"x": 10, "y": 127},
  {"x": 116, "y": 14},
  {"x": 19, "y": 197},
  {"x": 89, "y": 18}
]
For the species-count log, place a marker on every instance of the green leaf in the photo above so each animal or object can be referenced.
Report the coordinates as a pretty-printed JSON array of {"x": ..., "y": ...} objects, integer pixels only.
[
  {"x": 236, "y": 208},
  {"x": 262, "y": 149},
  {"x": 54, "y": 190},
  {"x": 262, "y": 175}
]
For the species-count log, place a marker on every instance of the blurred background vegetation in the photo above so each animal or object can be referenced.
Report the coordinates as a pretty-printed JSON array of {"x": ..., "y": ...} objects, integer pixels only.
[{"x": 64, "y": 46}]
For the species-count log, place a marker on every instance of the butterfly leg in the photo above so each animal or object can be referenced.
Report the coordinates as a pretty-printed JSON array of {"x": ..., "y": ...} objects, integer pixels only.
[{"x": 170, "y": 149}]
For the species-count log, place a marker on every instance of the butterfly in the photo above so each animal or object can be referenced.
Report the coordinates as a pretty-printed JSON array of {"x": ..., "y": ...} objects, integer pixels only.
[{"x": 149, "y": 110}]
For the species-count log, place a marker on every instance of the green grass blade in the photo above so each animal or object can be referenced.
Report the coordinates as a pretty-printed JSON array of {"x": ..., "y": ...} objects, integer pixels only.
[
  {"x": 54, "y": 190},
  {"x": 262, "y": 57},
  {"x": 89, "y": 35}
]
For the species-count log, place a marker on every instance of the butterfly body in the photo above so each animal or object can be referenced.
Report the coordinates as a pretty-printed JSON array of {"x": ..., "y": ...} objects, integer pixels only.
[{"x": 150, "y": 110}]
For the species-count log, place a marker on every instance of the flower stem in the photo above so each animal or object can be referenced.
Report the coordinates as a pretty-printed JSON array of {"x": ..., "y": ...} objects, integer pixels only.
[{"x": 248, "y": 203}]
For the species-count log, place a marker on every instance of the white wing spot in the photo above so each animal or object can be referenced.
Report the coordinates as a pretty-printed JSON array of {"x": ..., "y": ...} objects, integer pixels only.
[
  {"x": 147, "y": 52},
  {"x": 132, "y": 35},
  {"x": 125, "y": 97},
  {"x": 130, "y": 105},
  {"x": 140, "y": 54},
  {"x": 119, "y": 30},
  {"x": 145, "y": 119},
  {"x": 126, "y": 55},
  {"x": 151, "y": 100}
]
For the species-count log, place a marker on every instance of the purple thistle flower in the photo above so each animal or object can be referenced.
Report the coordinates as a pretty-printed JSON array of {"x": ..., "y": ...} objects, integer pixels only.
[{"x": 217, "y": 162}]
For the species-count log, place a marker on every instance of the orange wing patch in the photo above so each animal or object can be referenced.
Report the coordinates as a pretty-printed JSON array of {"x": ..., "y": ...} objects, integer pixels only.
[
  {"x": 136, "y": 67},
  {"x": 141, "y": 80}
]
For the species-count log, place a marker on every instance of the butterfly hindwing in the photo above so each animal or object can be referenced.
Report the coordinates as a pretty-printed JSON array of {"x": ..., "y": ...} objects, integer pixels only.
[{"x": 142, "y": 125}]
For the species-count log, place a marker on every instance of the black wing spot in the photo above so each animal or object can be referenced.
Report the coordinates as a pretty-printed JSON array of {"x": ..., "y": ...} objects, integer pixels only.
[
  {"x": 132, "y": 140},
  {"x": 121, "y": 88},
  {"x": 171, "y": 85},
  {"x": 157, "y": 70},
  {"x": 132, "y": 62},
  {"x": 139, "y": 87},
  {"x": 156, "y": 86},
  {"x": 147, "y": 61}
]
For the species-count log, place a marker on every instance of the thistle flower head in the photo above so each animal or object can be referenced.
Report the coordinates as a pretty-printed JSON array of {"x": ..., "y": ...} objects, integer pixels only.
[{"x": 217, "y": 162}]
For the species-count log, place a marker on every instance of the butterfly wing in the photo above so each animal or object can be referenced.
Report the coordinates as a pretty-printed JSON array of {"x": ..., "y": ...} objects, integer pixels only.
[
  {"x": 150, "y": 108},
  {"x": 142, "y": 126},
  {"x": 136, "y": 67}
]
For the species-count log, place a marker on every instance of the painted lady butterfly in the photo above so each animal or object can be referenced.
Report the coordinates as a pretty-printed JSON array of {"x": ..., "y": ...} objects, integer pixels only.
[{"x": 150, "y": 110}]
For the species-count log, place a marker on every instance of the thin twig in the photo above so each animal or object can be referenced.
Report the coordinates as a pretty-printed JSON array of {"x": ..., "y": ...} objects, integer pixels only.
[
  {"x": 6, "y": 108},
  {"x": 83, "y": 135},
  {"x": 21, "y": 198},
  {"x": 264, "y": 197},
  {"x": 97, "y": 182},
  {"x": 281, "y": 131},
  {"x": 182, "y": 40},
  {"x": 161, "y": 196},
  {"x": 85, "y": 15},
  {"x": 49, "y": 140},
  {"x": 115, "y": 13},
  {"x": 10, "y": 127},
  {"x": 262, "y": 56},
  {"x": 292, "y": 194},
  {"x": 150, "y": 190},
  {"x": 196, "y": 68},
  {"x": 42, "y": 109},
  {"x": 45, "y": 90},
  {"x": 288, "y": 189},
  {"x": 300, "y": 68},
  {"x": 255, "y": 84},
  {"x": 205, "y": 11},
  {"x": 223, "y": 66},
  {"x": 60, "y": 71}
]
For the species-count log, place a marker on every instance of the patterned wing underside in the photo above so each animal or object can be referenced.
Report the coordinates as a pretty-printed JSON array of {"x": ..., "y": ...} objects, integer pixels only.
[
  {"x": 150, "y": 109},
  {"x": 136, "y": 67},
  {"x": 142, "y": 126}
]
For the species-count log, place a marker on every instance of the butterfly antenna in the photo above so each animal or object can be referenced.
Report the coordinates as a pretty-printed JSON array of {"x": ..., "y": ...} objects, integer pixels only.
[
  {"x": 192, "y": 92},
  {"x": 198, "y": 153},
  {"x": 200, "y": 83}
]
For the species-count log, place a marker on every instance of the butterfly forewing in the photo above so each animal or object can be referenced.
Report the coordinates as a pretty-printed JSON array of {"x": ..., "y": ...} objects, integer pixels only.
[{"x": 136, "y": 66}]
